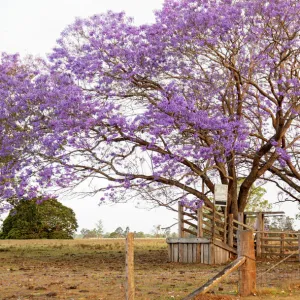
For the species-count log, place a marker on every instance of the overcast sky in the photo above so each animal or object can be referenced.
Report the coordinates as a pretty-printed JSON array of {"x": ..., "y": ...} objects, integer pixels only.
[{"x": 32, "y": 27}]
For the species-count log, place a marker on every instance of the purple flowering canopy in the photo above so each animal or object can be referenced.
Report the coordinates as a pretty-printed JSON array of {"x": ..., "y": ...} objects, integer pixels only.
[{"x": 207, "y": 94}]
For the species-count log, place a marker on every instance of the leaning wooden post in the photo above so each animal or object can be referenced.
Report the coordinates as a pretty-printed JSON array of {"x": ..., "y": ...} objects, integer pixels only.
[
  {"x": 180, "y": 221},
  {"x": 130, "y": 289},
  {"x": 247, "y": 272}
]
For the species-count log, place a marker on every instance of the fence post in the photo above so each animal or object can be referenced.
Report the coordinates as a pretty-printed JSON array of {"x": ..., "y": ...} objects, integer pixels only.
[
  {"x": 180, "y": 221},
  {"x": 259, "y": 234},
  {"x": 282, "y": 237},
  {"x": 130, "y": 289},
  {"x": 299, "y": 246},
  {"x": 241, "y": 220},
  {"x": 247, "y": 273},
  {"x": 200, "y": 222},
  {"x": 225, "y": 226},
  {"x": 230, "y": 230}
]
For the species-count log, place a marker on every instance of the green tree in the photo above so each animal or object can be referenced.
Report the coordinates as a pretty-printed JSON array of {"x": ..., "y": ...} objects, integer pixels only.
[
  {"x": 255, "y": 199},
  {"x": 36, "y": 219}
]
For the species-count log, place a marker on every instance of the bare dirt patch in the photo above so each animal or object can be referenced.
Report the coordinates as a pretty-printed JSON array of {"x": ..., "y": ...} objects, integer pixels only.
[{"x": 95, "y": 269}]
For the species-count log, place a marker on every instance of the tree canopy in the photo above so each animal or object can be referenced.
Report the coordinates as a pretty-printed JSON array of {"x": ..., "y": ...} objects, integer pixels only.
[
  {"x": 37, "y": 219},
  {"x": 207, "y": 94}
]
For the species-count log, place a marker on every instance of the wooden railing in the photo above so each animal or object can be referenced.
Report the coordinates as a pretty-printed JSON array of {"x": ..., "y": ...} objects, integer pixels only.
[
  {"x": 210, "y": 224},
  {"x": 276, "y": 243},
  {"x": 217, "y": 227}
]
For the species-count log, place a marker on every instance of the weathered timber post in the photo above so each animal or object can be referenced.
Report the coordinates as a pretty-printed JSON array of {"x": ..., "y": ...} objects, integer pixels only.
[
  {"x": 259, "y": 234},
  {"x": 199, "y": 232},
  {"x": 180, "y": 221},
  {"x": 230, "y": 230},
  {"x": 225, "y": 227},
  {"x": 247, "y": 272},
  {"x": 282, "y": 237},
  {"x": 200, "y": 222},
  {"x": 299, "y": 246},
  {"x": 130, "y": 289},
  {"x": 241, "y": 220}
]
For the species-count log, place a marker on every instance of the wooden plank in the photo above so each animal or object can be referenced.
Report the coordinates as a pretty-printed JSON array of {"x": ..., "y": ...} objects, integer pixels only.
[
  {"x": 205, "y": 253},
  {"x": 241, "y": 224},
  {"x": 190, "y": 223},
  {"x": 216, "y": 279},
  {"x": 277, "y": 247},
  {"x": 189, "y": 231},
  {"x": 230, "y": 230},
  {"x": 258, "y": 244},
  {"x": 181, "y": 252},
  {"x": 180, "y": 220},
  {"x": 278, "y": 254},
  {"x": 296, "y": 233},
  {"x": 187, "y": 240},
  {"x": 211, "y": 252},
  {"x": 299, "y": 246},
  {"x": 210, "y": 217},
  {"x": 194, "y": 258},
  {"x": 211, "y": 210},
  {"x": 200, "y": 222},
  {"x": 175, "y": 252},
  {"x": 198, "y": 253},
  {"x": 278, "y": 239},
  {"x": 190, "y": 253},
  {"x": 169, "y": 252},
  {"x": 264, "y": 212},
  {"x": 193, "y": 216},
  {"x": 225, "y": 246},
  {"x": 225, "y": 227},
  {"x": 185, "y": 253}
]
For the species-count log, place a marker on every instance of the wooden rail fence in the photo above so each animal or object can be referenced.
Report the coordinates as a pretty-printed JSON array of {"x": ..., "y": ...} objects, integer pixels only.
[
  {"x": 276, "y": 244},
  {"x": 217, "y": 227}
]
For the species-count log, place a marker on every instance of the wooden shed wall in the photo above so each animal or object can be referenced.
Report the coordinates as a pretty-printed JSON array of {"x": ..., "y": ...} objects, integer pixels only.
[{"x": 195, "y": 250}]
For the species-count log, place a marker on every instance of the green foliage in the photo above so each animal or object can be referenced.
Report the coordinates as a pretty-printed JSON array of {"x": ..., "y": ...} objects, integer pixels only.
[
  {"x": 48, "y": 220},
  {"x": 255, "y": 200}
]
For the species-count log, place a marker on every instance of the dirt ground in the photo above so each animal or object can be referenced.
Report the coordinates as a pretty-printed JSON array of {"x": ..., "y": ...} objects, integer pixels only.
[{"x": 95, "y": 269}]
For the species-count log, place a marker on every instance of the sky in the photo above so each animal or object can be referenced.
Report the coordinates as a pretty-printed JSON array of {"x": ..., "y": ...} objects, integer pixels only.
[{"x": 32, "y": 27}]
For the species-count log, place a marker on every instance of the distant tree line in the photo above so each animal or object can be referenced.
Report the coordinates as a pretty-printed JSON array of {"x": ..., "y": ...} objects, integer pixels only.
[{"x": 119, "y": 232}]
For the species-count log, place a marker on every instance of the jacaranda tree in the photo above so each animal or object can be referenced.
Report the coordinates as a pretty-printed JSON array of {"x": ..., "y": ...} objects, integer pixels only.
[{"x": 207, "y": 94}]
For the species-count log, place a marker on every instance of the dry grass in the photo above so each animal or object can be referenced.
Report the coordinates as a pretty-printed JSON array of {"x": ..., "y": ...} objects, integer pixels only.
[{"x": 95, "y": 269}]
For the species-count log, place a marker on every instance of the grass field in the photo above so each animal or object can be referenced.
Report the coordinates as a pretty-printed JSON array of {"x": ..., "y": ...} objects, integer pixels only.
[{"x": 95, "y": 269}]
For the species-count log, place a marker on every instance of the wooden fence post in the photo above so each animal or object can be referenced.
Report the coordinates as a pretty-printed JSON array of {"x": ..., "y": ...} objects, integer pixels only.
[
  {"x": 241, "y": 220},
  {"x": 299, "y": 246},
  {"x": 199, "y": 232},
  {"x": 180, "y": 221},
  {"x": 225, "y": 226},
  {"x": 247, "y": 272},
  {"x": 230, "y": 230},
  {"x": 200, "y": 222},
  {"x": 259, "y": 234},
  {"x": 130, "y": 289},
  {"x": 282, "y": 237}
]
